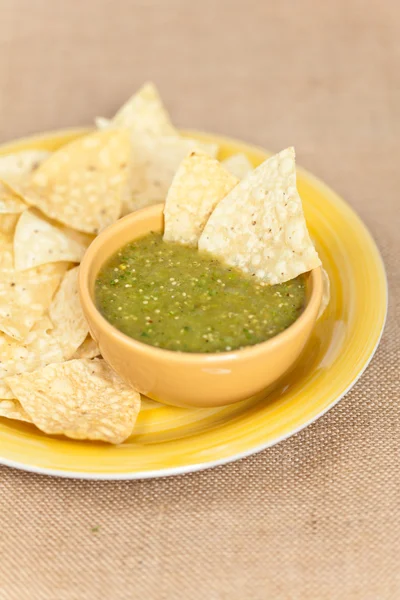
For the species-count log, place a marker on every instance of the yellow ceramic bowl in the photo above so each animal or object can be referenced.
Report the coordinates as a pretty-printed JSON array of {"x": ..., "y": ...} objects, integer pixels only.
[{"x": 179, "y": 378}]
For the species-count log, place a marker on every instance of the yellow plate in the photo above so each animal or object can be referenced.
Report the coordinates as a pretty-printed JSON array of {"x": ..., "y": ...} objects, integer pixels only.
[{"x": 167, "y": 440}]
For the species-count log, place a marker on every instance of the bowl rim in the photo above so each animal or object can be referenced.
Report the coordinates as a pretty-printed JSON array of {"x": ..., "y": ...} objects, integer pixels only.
[{"x": 89, "y": 305}]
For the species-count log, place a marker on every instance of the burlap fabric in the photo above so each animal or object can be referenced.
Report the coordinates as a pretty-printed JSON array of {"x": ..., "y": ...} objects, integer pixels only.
[{"x": 317, "y": 517}]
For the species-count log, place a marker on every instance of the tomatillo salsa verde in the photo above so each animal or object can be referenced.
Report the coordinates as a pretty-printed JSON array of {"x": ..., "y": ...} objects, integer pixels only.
[{"x": 171, "y": 296}]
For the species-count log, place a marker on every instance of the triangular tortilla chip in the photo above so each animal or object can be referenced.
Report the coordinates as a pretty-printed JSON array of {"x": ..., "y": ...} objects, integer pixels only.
[
  {"x": 24, "y": 295},
  {"x": 157, "y": 147},
  {"x": 143, "y": 114},
  {"x": 156, "y": 161},
  {"x": 259, "y": 226},
  {"x": 70, "y": 326},
  {"x": 37, "y": 242},
  {"x": 88, "y": 349},
  {"x": 82, "y": 184},
  {"x": 10, "y": 202},
  {"x": 40, "y": 348},
  {"x": 12, "y": 409},
  {"x": 49, "y": 341},
  {"x": 238, "y": 164},
  {"x": 199, "y": 185},
  {"x": 82, "y": 399},
  {"x": 17, "y": 166}
]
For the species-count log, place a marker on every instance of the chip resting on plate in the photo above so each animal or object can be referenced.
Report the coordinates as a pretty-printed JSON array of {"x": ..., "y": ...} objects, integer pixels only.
[
  {"x": 52, "y": 339},
  {"x": 17, "y": 166},
  {"x": 10, "y": 202},
  {"x": 198, "y": 186},
  {"x": 12, "y": 409},
  {"x": 82, "y": 399},
  {"x": 5, "y": 390},
  {"x": 70, "y": 326},
  {"x": 25, "y": 295},
  {"x": 143, "y": 113},
  {"x": 238, "y": 164},
  {"x": 82, "y": 184},
  {"x": 40, "y": 348},
  {"x": 157, "y": 147},
  {"x": 37, "y": 242},
  {"x": 259, "y": 226}
]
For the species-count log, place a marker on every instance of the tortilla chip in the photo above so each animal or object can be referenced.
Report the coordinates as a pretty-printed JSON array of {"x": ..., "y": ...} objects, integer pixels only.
[
  {"x": 156, "y": 161},
  {"x": 83, "y": 239},
  {"x": 16, "y": 167},
  {"x": 157, "y": 147},
  {"x": 259, "y": 226},
  {"x": 70, "y": 326},
  {"x": 198, "y": 186},
  {"x": 50, "y": 340},
  {"x": 40, "y": 348},
  {"x": 37, "y": 242},
  {"x": 144, "y": 114},
  {"x": 12, "y": 409},
  {"x": 82, "y": 184},
  {"x": 10, "y": 202},
  {"x": 24, "y": 295},
  {"x": 238, "y": 164},
  {"x": 8, "y": 223},
  {"x": 88, "y": 349},
  {"x": 5, "y": 390},
  {"x": 6, "y": 253},
  {"x": 82, "y": 399}
]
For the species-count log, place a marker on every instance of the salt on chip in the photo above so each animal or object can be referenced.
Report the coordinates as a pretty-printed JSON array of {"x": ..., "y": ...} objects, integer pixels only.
[
  {"x": 12, "y": 409},
  {"x": 156, "y": 161},
  {"x": 82, "y": 399},
  {"x": 82, "y": 184},
  {"x": 17, "y": 166},
  {"x": 41, "y": 347},
  {"x": 259, "y": 227},
  {"x": 53, "y": 338},
  {"x": 37, "y": 242},
  {"x": 143, "y": 114},
  {"x": 25, "y": 295},
  {"x": 88, "y": 349},
  {"x": 70, "y": 326},
  {"x": 238, "y": 164},
  {"x": 198, "y": 186},
  {"x": 10, "y": 202}
]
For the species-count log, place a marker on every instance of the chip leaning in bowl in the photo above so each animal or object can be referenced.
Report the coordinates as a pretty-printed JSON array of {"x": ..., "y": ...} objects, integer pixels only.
[{"x": 229, "y": 270}]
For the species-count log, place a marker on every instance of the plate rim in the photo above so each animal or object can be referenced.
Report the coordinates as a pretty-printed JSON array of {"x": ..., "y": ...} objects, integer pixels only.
[{"x": 192, "y": 468}]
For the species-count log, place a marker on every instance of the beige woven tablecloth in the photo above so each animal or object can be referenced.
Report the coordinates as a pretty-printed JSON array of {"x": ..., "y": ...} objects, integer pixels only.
[{"x": 318, "y": 516}]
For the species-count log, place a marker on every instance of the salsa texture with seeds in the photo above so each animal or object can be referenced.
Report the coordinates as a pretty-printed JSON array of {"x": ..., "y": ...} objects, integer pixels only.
[{"x": 174, "y": 297}]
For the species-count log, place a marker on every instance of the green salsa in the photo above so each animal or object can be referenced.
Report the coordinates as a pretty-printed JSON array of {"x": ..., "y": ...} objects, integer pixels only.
[{"x": 171, "y": 296}]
